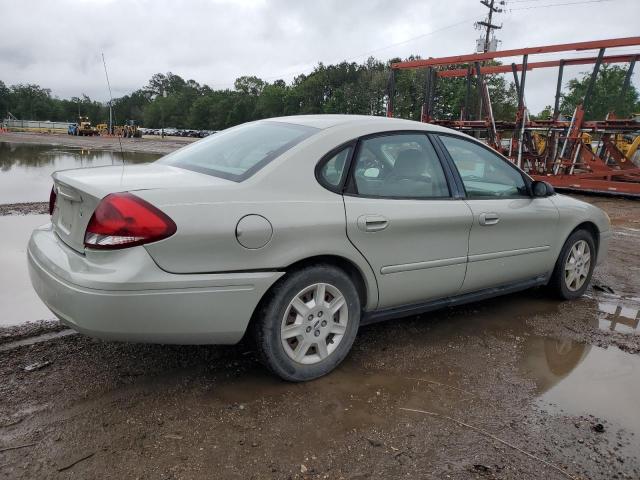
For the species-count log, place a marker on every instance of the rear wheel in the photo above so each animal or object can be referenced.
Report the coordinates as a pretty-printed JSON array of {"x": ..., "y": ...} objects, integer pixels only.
[
  {"x": 574, "y": 267},
  {"x": 307, "y": 325}
]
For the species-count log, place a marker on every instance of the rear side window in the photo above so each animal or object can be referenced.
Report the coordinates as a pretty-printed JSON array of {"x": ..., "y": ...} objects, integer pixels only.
[
  {"x": 333, "y": 169},
  {"x": 399, "y": 166},
  {"x": 484, "y": 173},
  {"x": 239, "y": 152}
]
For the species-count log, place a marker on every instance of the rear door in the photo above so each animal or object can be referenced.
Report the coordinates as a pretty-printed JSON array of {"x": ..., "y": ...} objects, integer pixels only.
[
  {"x": 402, "y": 216},
  {"x": 512, "y": 231}
]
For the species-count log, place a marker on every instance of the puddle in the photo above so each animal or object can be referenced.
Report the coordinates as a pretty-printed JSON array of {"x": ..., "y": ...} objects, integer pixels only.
[
  {"x": 18, "y": 301},
  {"x": 580, "y": 380},
  {"x": 25, "y": 170},
  {"x": 604, "y": 383},
  {"x": 349, "y": 398},
  {"x": 571, "y": 378}
]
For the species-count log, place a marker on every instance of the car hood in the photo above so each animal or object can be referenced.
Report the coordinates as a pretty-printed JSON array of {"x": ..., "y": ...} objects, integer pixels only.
[{"x": 101, "y": 181}]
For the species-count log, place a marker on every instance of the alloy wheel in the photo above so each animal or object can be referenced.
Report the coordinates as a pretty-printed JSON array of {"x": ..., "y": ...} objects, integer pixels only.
[
  {"x": 577, "y": 266},
  {"x": 314, "y": 323}
]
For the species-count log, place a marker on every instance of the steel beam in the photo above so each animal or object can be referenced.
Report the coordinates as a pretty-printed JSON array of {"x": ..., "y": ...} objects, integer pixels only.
[
  {"x": 480, "y": 57},
  {"x": 592, "y": 80},
  {"x": 556, "y": 105},
  {"x": 489, "y": 70}
]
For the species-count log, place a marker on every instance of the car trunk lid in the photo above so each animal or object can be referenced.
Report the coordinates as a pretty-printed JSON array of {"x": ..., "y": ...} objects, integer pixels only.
[{"x": 80, "y": 191}]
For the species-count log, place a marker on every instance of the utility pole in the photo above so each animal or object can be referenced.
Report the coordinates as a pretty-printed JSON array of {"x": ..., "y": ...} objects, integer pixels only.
[
  {"x": 487, "y": 23},
  {"x": 489, "y": 43}
]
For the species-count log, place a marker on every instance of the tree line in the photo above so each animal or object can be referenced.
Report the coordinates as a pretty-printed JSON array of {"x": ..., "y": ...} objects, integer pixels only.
[{"x": 168, "y": 100}]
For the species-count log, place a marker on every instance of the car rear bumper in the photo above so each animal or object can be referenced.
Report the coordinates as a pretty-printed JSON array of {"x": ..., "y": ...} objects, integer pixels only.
[{"x": 124, "y": 295}]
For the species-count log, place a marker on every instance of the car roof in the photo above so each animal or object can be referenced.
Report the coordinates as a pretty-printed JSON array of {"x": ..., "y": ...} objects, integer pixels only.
[{"x": 331, "y": 120}]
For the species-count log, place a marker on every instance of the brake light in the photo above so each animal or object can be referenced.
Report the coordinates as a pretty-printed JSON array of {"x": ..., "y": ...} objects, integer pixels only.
[
  {"x": 52, "y": 200},
  {"x": 123, "y": 220}
]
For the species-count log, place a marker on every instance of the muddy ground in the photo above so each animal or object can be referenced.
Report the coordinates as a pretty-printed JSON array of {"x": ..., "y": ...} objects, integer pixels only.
[
  {"x": 521, "y": 387},
  {"x": 150, "y": 144}
]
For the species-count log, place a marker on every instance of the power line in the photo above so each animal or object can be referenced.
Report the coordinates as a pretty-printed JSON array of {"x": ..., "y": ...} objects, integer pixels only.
[
  {"x": 368, "y": 53},
  {"x": 558, "y": 5}
]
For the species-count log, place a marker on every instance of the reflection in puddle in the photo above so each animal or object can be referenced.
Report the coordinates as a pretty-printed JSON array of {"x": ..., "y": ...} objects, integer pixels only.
[
  {"x": 619, "y": 314},
  {"x": 578, "y": 379},
  {"x": 25, "y": 170}
]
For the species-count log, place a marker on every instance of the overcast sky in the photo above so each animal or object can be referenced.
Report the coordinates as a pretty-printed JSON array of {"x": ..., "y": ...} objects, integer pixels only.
[{"x": 58, "y": 43}]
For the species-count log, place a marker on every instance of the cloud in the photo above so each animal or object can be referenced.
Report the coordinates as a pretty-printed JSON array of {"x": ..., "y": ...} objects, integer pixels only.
[{"x": 59, "y": 44}]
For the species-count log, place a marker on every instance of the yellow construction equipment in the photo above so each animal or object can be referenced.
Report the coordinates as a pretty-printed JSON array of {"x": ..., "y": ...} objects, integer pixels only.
[
  {"x": 128, "y": 130},
  {"x": 540, "y": 141},
  {"x": 131, "y": 130},
  {"x": 628, "y": 146},
  {"x": 84, "y": 128}
]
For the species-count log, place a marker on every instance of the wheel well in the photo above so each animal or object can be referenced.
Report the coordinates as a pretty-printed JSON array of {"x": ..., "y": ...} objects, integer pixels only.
[
  {"x": 592, "y": 229},
  {"x": 339, "y": 262}
]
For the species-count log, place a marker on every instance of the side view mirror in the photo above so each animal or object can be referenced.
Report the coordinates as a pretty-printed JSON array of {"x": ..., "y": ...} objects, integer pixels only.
[{"x": 542, "y": 189}]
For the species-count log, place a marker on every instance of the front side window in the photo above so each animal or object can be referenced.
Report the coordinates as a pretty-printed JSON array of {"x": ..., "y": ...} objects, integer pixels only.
[
  {"x": 484, "y": 173},
  {"x": 399, "y": 166},
  {"x": 239, "y": 152}
]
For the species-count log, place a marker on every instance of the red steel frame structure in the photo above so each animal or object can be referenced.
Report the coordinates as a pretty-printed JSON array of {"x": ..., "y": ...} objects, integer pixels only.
[{"x": 567, "y": 161}]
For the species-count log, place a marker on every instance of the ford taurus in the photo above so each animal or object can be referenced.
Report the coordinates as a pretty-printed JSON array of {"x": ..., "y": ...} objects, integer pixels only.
[{"x": 298, "y": 230}]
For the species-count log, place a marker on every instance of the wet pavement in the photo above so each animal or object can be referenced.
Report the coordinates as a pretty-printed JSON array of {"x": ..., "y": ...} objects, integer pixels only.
[
  {"x": 153, "y": 411},
  {"x": 25, "y": 170}
]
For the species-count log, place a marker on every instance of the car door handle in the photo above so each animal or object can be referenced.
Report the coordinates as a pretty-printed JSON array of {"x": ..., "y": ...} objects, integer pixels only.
[
  {"x": 488, "y": 219},
  {"x": 372, "y": 223}
]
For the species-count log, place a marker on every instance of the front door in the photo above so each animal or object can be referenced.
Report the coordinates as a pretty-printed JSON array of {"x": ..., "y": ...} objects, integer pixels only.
[
  {"x": 511, "y": 232},
  {"x": 402, "y": 217}
]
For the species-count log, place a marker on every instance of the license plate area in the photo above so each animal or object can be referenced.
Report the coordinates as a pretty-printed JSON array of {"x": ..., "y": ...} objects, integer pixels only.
[
  {"x": 66, "y": 215},
  {"x": 68, "y": 211}
]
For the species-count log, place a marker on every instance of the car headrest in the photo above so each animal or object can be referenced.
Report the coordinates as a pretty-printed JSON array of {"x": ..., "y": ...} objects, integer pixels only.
[{"x": 410, "y": 163}]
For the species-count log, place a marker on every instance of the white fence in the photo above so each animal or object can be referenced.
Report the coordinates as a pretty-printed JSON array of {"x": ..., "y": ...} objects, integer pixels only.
[{"x": 34, "y": 125}]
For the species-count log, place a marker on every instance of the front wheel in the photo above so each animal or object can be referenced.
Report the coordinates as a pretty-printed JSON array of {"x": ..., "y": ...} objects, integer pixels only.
[
  {"x": 574, "y": 267},
  {"x": 307, "y": 325}
]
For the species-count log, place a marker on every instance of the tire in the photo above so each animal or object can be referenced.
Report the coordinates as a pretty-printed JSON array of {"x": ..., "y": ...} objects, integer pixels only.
[
  {"x": 320, "y": 342},
  {"x": 563, "y": 283}
]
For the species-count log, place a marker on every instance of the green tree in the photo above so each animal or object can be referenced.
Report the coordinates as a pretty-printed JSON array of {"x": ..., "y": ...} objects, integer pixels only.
[
  {"x": 605, "y": 96},
  {"x": 4, "y": 100},
  {"x": 252, "y": 86}
]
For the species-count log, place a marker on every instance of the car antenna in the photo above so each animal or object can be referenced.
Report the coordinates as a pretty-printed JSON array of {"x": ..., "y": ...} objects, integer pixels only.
[{"x": 113, "y": 117}]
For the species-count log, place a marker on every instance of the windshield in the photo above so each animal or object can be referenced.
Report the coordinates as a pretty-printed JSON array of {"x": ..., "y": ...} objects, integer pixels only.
[{"x": 239, "y": 152}]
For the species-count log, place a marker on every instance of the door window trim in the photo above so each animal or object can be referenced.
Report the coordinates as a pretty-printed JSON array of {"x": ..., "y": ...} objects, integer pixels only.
[
  {"x": 445, "y": 152},
  {"x": 351, "y": 190}
]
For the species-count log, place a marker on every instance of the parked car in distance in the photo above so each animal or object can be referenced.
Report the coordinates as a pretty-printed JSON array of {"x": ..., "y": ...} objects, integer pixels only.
[{"x": 298, "y": 230}]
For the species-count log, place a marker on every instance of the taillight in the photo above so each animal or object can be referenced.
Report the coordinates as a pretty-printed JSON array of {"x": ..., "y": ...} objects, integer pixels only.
[
  {"x": 123, "y": 220},
  {"x": 52, "y": 200}
]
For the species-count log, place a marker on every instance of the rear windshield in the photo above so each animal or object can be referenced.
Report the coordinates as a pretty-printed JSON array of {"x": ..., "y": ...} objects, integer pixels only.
[{"x": 239, "y": 152}]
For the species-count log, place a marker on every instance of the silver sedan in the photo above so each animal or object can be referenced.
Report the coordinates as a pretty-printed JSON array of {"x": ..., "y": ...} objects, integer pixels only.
[{"x": 298, "y": 230}]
